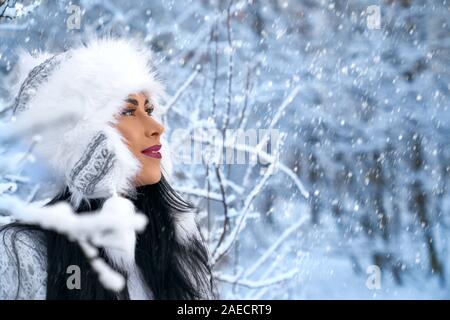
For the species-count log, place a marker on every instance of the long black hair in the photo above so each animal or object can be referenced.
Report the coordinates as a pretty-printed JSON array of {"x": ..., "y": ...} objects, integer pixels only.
[{"x": 171, "y": 270}]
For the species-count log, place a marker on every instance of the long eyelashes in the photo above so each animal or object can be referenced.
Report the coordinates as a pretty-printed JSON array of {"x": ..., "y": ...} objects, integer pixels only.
[
  {"x": 130, "y": 111},
  {"x": 150, "y": 110},
  {"x": 127, "y": 112}
]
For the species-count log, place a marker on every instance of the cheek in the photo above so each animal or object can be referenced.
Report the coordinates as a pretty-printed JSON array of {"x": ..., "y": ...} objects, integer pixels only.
[{"x": 131, "y": 139}]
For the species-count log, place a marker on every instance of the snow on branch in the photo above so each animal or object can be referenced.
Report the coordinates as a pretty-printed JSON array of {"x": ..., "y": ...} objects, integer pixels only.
[
  {"x": 267, "y": 158},
  {"x": 183, "y": 88},
  {"x": 107, "y": 228},
  {"x": 258, "y": 283},
  {"x": 9, "y": 9},
  {"x": 243, "y": 278},
  {"x": 222, "y": 249}
]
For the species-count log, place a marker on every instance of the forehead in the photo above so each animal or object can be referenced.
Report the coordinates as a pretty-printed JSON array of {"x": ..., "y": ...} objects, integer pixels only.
[{"x": 141, "y": 94}]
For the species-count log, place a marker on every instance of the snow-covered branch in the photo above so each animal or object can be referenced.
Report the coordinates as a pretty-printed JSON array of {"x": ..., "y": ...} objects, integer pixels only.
[
  {"x": 10, "y": 9},
  {"x": 108, "y": 228},
  {"x": 256, "y": 284}
]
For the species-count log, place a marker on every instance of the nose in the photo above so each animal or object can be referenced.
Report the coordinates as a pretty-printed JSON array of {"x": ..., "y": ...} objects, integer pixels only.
[{"x": 153, "y": 129}]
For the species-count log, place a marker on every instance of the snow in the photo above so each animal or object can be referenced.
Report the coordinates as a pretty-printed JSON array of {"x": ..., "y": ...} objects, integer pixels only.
[{"x": 360, "y": 175}]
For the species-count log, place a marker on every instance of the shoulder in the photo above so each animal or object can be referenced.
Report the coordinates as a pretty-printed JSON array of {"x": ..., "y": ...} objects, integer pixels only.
[{"x": 23, "y": 263}]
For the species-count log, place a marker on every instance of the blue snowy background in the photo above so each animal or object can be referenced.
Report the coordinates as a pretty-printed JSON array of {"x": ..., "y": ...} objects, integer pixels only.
[{"x": 362, "y": 101}]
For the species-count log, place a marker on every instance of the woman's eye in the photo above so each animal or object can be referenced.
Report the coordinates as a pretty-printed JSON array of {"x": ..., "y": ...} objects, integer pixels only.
[
  {"x": 127, "y": 112},
  {"x": 149, "y": 110}
]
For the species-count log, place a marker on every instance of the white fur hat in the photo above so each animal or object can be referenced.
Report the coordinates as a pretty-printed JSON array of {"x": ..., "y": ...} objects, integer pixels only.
[{"x": 69, "y": 100}]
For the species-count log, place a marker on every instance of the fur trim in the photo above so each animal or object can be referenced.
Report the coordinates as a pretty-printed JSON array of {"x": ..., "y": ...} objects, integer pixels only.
[
  {"x": 122, "y": 254},
  {"x": 78, "y": 100}
]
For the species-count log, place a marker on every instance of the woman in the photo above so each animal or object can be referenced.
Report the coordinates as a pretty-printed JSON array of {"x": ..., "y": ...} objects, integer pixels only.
[{"x": 95, "y": 110}]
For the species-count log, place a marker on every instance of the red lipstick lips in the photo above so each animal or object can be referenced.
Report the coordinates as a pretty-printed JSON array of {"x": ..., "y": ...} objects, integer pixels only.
[{"x": 152, "y": 151}]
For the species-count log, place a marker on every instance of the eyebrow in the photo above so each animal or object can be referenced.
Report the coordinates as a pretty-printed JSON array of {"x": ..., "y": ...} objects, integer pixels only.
[
  {"x": 135, "y": 102},
  {"x": 132, "y": 101}
]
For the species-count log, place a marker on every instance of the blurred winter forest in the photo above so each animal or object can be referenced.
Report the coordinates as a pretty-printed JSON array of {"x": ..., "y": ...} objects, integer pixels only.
[{"x": 359, "y": 181}]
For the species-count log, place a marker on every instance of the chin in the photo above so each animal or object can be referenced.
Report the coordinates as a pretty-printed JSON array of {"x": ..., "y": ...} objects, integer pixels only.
[
  {"x": 157, "y": 178},
  {"x": 150, "y": 179}
]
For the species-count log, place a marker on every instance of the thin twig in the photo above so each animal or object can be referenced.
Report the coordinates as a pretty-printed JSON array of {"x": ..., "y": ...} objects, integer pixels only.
[
  {"x": 225, "y": 209},
  {"x": 230, "y": 69}
]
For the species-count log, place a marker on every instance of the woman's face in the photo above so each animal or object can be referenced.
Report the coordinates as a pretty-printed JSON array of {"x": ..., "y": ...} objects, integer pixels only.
[{"x": 142, "y": 133}]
